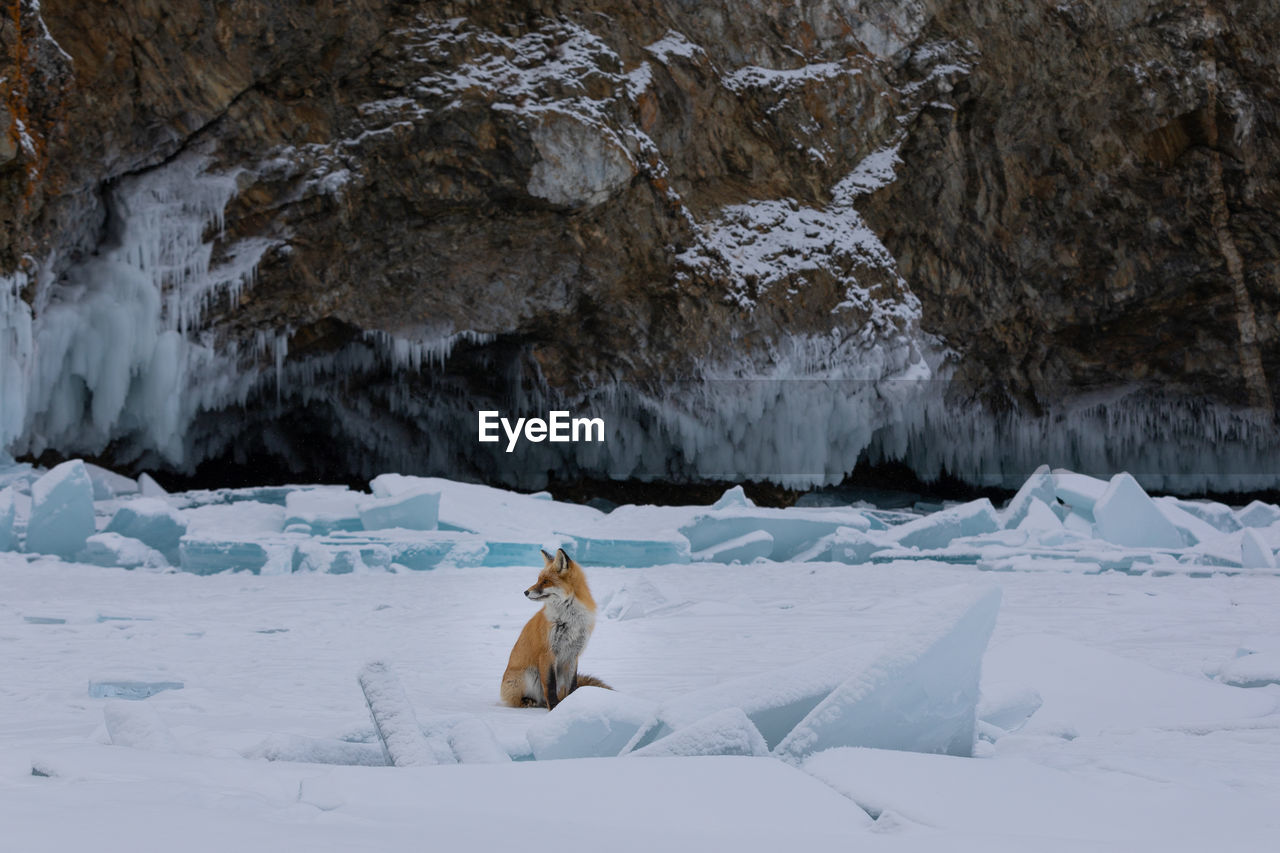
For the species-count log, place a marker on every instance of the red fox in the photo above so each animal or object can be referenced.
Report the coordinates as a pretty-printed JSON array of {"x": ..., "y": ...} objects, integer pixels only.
[{"x": 543, "y": 668}]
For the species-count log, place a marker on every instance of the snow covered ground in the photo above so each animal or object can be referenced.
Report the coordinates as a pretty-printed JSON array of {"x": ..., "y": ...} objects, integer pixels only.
[{"x": 1109, "y": 715}]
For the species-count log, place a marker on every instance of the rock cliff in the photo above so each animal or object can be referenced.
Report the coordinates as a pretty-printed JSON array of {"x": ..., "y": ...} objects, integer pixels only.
[{"x": 763, "y": 239}]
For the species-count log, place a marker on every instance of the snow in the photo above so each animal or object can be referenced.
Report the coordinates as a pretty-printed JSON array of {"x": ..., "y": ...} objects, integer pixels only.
[
  {"x": 1130, "y": 696},
  {"x": 1256, "y": 669},
  {"x": 589, "y": 722},
  {"x": 1125, "y": 515},
  {"x": 152, "y": 521},
  {"x": 919, "y": 694},
  {"x": 396, "y": 724},
  {"x": 61, "y": 511},
  {"x": 322, "y": 511},
  {"x": 727, "y": 732},
  {"x": 113, "y": 549},
  {"x": 137, "y": 725}
]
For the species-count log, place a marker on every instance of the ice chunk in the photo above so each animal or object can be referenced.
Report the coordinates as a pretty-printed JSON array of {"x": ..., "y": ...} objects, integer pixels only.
[
  {"x": 153, "y": 521},
  {"x": 733, "y": 496},
  {"x": 420, "y": 550},
  {"x": 112, "y": 549},
  {"x": 589, "y": 722},
  {"x": 1258, "y": 514},
  {"x": 920, "y": 694},
  {"x": 1252, "y": 670},
  {"x": 208, "y": 555},
  {"x": 322, "y": 510},
  {"x": 1007, "y": 707},
  {"x": 395, "y": 722},
  {"x": 136, "y": 724},
  {"x": 412, "y": 510},
  {"x": 1078, "y": 524},
  {"x": 1038, "y": 517},
  {"x": 1125, "y": 515},
  {"x": 793, "y": 530},
  {"x": 1255, "y": 553},
  {"x": 777, "y": 700},
  {"x": 109, "y": 484},
  {"x": 318, "y": 751},
  {"x": 1217, "y": 514},
  {"x": 744, "y": 549},
  {"x": 150, "y": 488},
  {"x": 61, "y": 511},
  {"x": 1078, "y": 491},
  {"x": 473, "y": 742},
  {"x": 1192, "y": 528},
  {"x": 340, "y": 558},
  {"x": 727, "y": 732},
  {"x": 8, "y": 541},
  {"x": 1040, "y": 486},
  {"x": 938, "y": 529},
  {"x": 239, "y": 519},
  {"x": 852, "y": 546},
  {"x": 659, "y": 550},
  {"x": 129, "y": 688}
]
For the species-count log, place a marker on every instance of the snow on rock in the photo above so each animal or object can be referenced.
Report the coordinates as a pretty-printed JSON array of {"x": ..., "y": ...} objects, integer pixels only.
[
  {"x": 1256, "y": 669},
  {"x": 130, "y": 688},
  {"x": 285, "y": 747},
  {"x": 744, "y": 549},
  {"x": 322, "y": 511},
  {"x": 1125, "y": 515},
  {"x": 1255, "y": 553},
  {"x": 395, "y": 722},
  {"x": 938, "y": 529},
  {"x": 152, "y": 521},
  {"x": 8, "y": 541},
  {"x": 589, "y": 722},
  {"x": 919, "y": 695},
  {"x": 1078, "y": 491},
  {"x": 409, "y": 510},
  {"x": 137, "y": 725},
  {"x": 727, "y": 732},
  {"x": 473, "y": 742},
  {"x": 1258, "y": 514},
  {"x": 61, "y": 511},
  {"x": 108, "y": 484},
  {"x": 1040, "y": 486},
  {"x": 112, "y": 549}
]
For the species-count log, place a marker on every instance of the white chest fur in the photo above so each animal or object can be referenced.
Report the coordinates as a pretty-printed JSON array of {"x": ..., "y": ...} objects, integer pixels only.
[{"x": 571, "y": 626}]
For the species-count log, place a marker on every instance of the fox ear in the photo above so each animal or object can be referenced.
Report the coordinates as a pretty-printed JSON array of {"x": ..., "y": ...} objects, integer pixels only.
[
  {"x": 562, "y": 561},
  {"x": 547, "y": 558}
]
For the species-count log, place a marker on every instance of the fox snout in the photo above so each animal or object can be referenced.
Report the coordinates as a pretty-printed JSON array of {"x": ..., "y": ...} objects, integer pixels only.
[{"x": 534, "y": 594}]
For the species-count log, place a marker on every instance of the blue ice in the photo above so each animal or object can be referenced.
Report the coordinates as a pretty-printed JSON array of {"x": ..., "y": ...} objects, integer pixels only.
[
  {"x": 153, "y": 521},
  {"x": 61, "y": 511},
  {"x": 130, "y": 689}
]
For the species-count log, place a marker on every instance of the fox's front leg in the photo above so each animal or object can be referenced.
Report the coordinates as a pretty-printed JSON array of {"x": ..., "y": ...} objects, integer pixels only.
[{"x": 549, "y": 687}]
